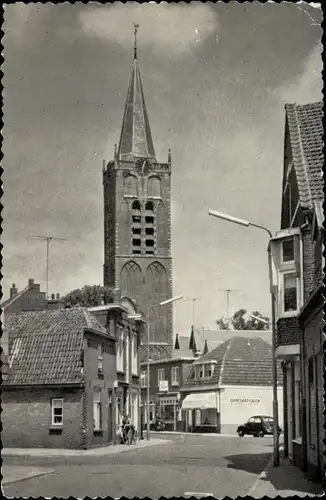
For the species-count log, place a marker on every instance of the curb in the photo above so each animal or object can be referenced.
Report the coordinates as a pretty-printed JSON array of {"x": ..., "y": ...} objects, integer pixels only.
[
  {"x": 92, "y": 452},
  {"x": 186, "y": 434},
  {"x": 266, "y": 466},
  {"x": 20, "y": 479}
]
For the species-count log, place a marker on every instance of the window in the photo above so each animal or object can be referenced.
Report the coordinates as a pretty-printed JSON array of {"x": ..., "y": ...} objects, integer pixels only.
[
  {"x": 143, "y": 379},
  {"x": 149, "y": 231},
  {"x": 198, "y": 417},
  {"x": 136, "y": 206},
  {"x": 134, "y": 355},
  {"x": 57, "y": 411},
  {"x": 290, "y": 293},
  {"x": 97, "y": 410},
  {"x": 120, "y": 349},
  {"x": 160, "y": 374},
  {"x": 136, "y": 219},
  {"x": 175, "y": 375},
  {"x": 136, "y": 230},
  {"x": 149, "y": 219},
  {"x": 149, "y": 243},
  {"x": 199, "y": 371},
  {"x": 150, "y": 206},
  {"x": 208, "y": 371},
  {"x": 288, "y": 250},
  {"x": 136, "y": 242},
  {"x": 100, "y": 359}
]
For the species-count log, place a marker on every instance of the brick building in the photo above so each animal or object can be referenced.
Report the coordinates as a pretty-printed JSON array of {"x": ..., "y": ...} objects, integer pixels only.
[
  {"x": 228, "y": 385},
  {"x": 58, "y": 392},
  {"x": 137, "y": 218},
  {"x": 121, "y": 319},
  {"x": 296, "y": 252}
]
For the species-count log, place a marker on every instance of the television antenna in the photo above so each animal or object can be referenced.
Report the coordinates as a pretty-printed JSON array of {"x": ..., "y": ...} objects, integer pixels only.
[
  {"x": 227, "y": 292},
  {"x": 194, "y": 300},
  {"x": 48, "y": 240}
]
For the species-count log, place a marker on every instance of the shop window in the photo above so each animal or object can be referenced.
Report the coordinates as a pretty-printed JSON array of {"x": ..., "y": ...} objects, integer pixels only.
[
  {"x": 290, "y": 293},
  {"x": 288, "y": 250}
]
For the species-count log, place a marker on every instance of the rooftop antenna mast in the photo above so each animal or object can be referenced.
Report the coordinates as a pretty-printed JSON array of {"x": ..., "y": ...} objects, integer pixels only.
[
  {"x": 227, "y": 292},
  {"x": 194, "y": 299},
  {"x": 48, "y": 239}
]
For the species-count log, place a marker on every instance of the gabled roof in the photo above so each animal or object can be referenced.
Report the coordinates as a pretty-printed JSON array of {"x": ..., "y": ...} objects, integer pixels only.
[
  {"x": 239, "y": 361},
  {"x": 45, "y": 347},
  {"x": 305, "y": 131},
  {"x": 136, "y": 137},
  {"x": 9, "y": 301}
]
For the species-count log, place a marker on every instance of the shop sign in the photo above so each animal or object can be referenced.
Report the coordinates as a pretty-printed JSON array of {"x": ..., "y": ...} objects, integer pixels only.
[
  {"x": 251, "y": 401},
  {"x": 163, "y": 386}
]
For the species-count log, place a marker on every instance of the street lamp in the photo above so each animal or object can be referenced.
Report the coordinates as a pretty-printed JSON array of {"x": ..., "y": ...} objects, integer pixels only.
[
  {"x": 165, "y": 302},
  {"x": 246, "y": 223}
]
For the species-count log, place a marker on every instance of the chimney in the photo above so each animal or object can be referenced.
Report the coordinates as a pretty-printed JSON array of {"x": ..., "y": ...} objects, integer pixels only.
[
  {"x": 13, "y": 290},
  {"x": 52, "y": 296},
  {"x": 30, "y": 283}
]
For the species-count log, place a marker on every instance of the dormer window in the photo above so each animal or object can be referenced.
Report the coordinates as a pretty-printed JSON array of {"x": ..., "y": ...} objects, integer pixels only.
[
  {"x": 204, "y": 371},
  {"x": 288, "y": 250}
]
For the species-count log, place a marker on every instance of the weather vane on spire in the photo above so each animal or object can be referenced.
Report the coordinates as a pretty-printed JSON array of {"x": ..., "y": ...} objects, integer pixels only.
[{"x": 136, "y": 26}]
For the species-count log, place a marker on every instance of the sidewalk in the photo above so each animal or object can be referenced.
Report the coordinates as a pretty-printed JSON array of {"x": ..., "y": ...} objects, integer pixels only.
[
  {"x": 105, "y": 450},
  {"x": 202, "y": 434},
  {"x": 285, "y": 480}
]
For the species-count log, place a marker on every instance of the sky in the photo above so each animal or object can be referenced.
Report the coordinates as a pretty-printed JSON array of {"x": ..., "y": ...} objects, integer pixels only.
[{"x": 216, "y": 78}]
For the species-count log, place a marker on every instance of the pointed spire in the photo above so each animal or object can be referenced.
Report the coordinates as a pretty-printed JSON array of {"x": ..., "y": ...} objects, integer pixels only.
[
  {"x": 205, "y": 351},
  {"x": 192, "y": 339},
  {"x": 169, "y": 156},
  {"x": 136, "y": 137},
  {"x": 176, "y": 344}
]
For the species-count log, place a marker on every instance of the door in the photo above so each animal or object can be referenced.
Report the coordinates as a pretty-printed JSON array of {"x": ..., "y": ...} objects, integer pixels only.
[{"x": 249, "y": 426}]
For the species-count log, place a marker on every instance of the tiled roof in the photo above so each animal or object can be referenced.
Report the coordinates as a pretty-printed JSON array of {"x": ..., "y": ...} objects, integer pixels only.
[
  {"x": 240, "y": 361},
  {"x": 305, "y": 127},
  {"x": 45, "y": 347}
]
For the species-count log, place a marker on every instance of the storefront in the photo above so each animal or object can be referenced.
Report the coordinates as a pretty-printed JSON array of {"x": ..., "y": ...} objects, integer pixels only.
[
  {"x": 201, "y": 412},
  {"x": 169, "y": 411}
]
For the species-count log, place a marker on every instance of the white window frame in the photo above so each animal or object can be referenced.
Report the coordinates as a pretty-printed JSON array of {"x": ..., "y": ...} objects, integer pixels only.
[
  {"x": 97, "y": 410},
  {"x": 175, "y": 375},
  {"x": 53, "y": 401},
  {"x": 134, "y": 355},
  {"x": 160, "y": 378},
  {"x": 282, "y": 254},
  {"x": 100, "y": 359},
  {"x": 199, "y": 369},
  {"x": 211, "y": 368},
  {"x": 143, "y": 379},
  {"x": 120, "y": 349},
  {"x": 294, "y": 312}
]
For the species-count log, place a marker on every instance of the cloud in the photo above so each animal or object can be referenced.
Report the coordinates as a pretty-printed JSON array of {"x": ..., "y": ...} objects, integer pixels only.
[
  {"x": 21, "y": 19},
  {"x": 174, "y": 28},
  {"x": 307, "y": 87}
]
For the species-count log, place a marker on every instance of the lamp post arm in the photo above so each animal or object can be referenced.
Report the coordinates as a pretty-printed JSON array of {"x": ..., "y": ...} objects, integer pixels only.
[{"x": 263, "y": 228}]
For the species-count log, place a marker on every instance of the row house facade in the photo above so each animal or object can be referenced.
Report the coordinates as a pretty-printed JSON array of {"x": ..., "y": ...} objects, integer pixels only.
[{"x": 297, "y": 280}]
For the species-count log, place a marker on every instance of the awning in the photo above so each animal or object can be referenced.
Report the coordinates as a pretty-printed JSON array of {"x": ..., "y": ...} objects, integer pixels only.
[{"x": 201, "y": 401}]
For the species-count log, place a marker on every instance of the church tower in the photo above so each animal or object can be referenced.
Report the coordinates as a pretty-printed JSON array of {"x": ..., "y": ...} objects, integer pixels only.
[{"x": 137, "y": 218}]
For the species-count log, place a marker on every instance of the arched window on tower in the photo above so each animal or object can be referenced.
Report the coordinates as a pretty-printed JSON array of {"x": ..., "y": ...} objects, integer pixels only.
[
  {"x": 136, "y": 227},
  {"x": 149, "y": 228},
  {"x": 130, "y": 184},
  {"x": 131, "y": 280}
]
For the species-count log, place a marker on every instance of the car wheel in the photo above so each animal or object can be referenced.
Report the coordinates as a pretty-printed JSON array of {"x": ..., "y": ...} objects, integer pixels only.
[
  {"x": 255, "y": 435},
  {"x": 240, "y": 433},
  {"x": 261, "y": 434}
]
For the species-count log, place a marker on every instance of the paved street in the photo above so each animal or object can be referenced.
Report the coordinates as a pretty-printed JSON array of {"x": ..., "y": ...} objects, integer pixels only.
[{"x": 221, "y": 466}]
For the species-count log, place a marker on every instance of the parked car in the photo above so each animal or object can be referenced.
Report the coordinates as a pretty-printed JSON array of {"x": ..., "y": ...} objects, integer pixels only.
[{"x": 257, "y": 426}]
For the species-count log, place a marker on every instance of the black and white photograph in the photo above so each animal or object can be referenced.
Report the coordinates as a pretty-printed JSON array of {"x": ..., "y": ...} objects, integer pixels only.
[{"x": 162, "y": 250}]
